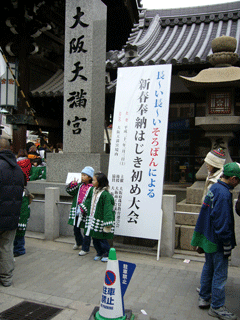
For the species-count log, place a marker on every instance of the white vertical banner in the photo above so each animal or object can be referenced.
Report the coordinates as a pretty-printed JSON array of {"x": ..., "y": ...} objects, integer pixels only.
[{"x": 138, "y": 149}]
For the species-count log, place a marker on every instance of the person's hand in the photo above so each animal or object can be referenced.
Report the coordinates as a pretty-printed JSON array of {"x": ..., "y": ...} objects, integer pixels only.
[
  {"x": 107, "y": 229},
  {"x": 200, "y": 250}
]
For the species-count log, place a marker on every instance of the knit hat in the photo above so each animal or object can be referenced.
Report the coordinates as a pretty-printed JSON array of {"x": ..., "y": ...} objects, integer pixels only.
[
  {"x": 232, "y": 169},
  {"x": 215, "y": 158},
  {"x": 89, "y": 171}
]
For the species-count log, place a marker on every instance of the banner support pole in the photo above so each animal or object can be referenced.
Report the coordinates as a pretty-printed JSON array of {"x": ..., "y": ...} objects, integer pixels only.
[{"x": 159, "y": 238}]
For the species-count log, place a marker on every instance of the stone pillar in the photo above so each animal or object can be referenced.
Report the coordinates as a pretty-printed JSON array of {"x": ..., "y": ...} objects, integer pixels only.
[
  {"x": 168, "y": 226},
  {"x": 84, "y": 91},
  {"x": 218, "y": 85},
  {"x": 51, "y": 229}
]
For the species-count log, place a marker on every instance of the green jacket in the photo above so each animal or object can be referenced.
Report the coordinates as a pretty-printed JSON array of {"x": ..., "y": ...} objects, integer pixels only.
[
  {"x": 24, "y": 216},
  {"x": 37, "y": 173},
  {"x": 73, "y": 190},
  {"x": 102, "y": 214}
]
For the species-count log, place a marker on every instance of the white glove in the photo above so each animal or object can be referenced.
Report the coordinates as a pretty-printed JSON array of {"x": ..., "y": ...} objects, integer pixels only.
[{"x": 107, "y": 229}]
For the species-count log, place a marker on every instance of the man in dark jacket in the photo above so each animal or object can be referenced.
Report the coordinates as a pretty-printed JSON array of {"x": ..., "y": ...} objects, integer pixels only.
[
  {"x": 11, "y": 192},
  {"x": 214, "y": 233}
]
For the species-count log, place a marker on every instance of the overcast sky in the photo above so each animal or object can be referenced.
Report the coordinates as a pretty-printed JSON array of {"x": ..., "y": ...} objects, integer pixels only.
[{"x": 159, "y": 4}]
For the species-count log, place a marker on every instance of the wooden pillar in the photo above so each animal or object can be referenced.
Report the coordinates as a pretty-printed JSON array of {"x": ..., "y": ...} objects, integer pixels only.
[{"x": 19, "y": 132}]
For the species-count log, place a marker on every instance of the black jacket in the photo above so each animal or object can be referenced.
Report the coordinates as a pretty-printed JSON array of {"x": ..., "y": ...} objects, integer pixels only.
[{"x": 11, "y": 190}]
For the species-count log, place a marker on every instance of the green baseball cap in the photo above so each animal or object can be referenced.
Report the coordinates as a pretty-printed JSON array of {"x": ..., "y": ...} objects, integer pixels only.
[{"x": 232, "y": 169}]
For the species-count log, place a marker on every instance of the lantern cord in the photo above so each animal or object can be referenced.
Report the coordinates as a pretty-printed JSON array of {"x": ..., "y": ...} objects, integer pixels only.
[{"x": 24, "y": 97}]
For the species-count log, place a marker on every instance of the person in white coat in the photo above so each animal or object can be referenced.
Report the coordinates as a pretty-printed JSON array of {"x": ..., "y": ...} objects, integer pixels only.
[{"x": 215, "y": 160}]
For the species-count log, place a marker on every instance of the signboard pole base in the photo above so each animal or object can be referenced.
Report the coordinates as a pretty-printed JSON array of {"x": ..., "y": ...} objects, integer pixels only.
[{"x": 159, "y": 239}]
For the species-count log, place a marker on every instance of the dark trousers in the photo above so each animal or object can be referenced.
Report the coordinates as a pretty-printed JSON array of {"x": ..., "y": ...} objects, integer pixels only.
[
  {"x": 78, "y": 235},
  {"x": 80, "y": 240},
  {"x": 19, "y": 245},
  {"x": 214, "y": 278},
  {"x": 102, "y": 247}
]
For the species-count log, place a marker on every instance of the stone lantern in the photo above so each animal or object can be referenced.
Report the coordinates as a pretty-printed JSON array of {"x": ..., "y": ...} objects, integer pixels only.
[{"x": 217, "y": 85}]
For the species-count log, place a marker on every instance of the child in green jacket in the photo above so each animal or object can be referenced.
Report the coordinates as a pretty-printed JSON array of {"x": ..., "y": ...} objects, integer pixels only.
[
  {"x": 19, "y": 241},
  {"x": 100, "y": 219},
  {"x": 79, "y": 191}
]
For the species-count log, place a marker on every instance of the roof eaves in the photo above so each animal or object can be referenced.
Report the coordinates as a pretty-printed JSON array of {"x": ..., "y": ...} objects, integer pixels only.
[{"x": 191, "y": 11}]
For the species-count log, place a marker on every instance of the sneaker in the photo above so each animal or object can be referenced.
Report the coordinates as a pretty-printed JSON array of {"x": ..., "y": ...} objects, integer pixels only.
[
  {"x": 17, "y": 254},
  {"x": 203, "y": 303},
  {"x": 104, "y": 259},
  {"x": 83, "y": 253},
  {"x": 97, "y": 258},
  {"x": 6, "y": 284},
  {"x": 222, "y": 313},
  {"x": 76, "y": 247}
]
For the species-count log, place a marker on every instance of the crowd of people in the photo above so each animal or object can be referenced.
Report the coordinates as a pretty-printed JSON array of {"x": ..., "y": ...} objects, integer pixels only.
[
  {"x": 92, "y": 207},
  {"x": 33, "y": 165},
  {"x": 93, "y": 218},
  {"x": 15, "y": 171}
]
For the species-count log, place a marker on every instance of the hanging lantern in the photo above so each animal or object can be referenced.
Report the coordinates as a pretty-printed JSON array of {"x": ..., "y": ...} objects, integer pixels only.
[{"x": 8, "y": 88}]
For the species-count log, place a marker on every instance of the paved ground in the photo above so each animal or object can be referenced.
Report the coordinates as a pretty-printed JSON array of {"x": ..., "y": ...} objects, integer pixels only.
[{"x": 52, "y": 273}]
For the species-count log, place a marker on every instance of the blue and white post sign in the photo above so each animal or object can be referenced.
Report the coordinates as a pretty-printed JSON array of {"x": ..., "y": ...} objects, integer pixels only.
[
  {"x": 116, "y": 281},
  {"x": 126, "y": 270}
]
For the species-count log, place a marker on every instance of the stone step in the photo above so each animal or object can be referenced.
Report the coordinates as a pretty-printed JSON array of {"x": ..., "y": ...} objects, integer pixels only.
[
  {"x": 185, "y": 220},
  {"x": 188, "y": 207},
  {"x": 183, "y": 237},
  {"x": 188, "y": 218}
]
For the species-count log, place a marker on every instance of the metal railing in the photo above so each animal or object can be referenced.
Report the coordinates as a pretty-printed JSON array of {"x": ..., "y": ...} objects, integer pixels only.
[
  {"x": 58, "y": 202},
  {"x": 182, "y": 212}
]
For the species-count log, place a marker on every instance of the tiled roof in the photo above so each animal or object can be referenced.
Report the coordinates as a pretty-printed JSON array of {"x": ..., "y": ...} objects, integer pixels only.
[
  {"x": 51, "y": 88},
  {"x": 177, "y": 36}
]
